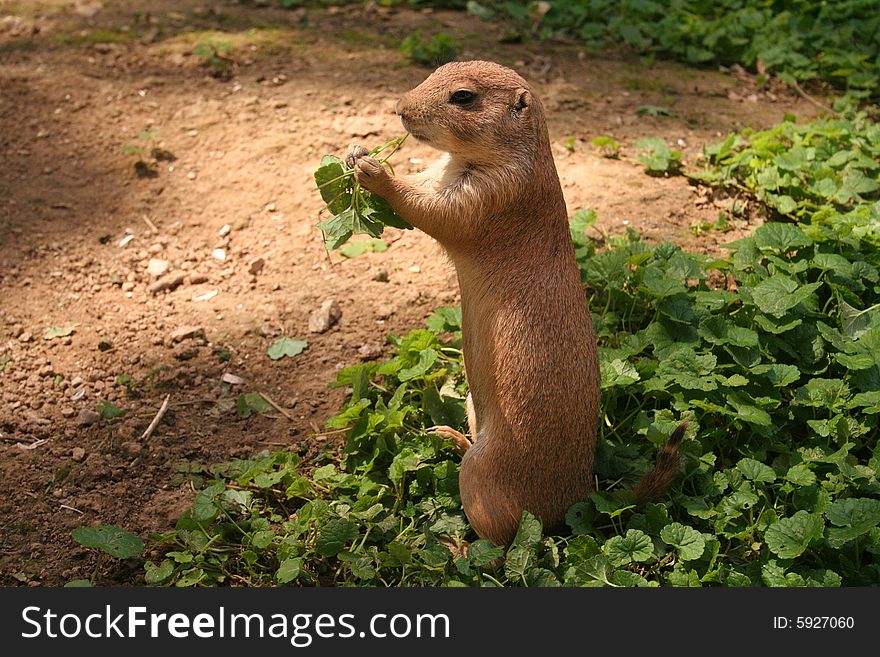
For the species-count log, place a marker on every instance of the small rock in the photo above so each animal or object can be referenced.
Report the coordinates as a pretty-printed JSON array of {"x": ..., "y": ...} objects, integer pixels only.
[
  {"x": 185, "y": 351},
  {"x": 157, "y": 267},
  {"x": 131, "y": 448},
  {"x": 87, "y": 417},
  {"x": 231, "y": 379},
  {"x": 166, "y": 283},
  {"x": 198, "y": 279},
  {"x": 218, "y": 254},
  {"x": 26, "y": 337},
  {"x": 188, "y": 332},
  {"x": 68, "y": 412},
  {"x": 370, "y": 351},
  {"x": 224, "y": 231},
  {"x": 78, "y": 454},
  {"x": 326, "y": 316},
  {"x": 256, "y": 266},
  {"x": 415, "y": 269},
  {"x": 381, "y": 276}
]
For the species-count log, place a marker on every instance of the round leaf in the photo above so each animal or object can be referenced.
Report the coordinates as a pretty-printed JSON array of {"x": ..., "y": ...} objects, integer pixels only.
[{"x": 113, "y": 540}]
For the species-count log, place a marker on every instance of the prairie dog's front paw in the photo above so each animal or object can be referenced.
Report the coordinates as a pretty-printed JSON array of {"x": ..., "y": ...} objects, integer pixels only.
[
  {"x": 371, "y": 174},
  {"x": 354, "y": 152}
]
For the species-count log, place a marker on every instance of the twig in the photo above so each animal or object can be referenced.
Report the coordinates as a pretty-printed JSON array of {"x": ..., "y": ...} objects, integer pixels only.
[
  {"x": 809, "y": 98},
  {"x": 156, "y": 419},
  {"x": 64, "y": 506},
  {"x": 276, "y": 406},
  {"x": 150, "y": 224}
]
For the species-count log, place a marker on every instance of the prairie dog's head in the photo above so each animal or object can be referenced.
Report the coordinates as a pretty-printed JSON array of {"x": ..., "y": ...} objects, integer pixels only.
[{"x": 479, "y": 111}]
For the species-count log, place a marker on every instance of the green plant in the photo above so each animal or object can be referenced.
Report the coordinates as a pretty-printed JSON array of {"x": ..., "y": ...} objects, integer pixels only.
[
  {"x": 810, "y": 171},
  {"x": 771, "y": 353},
  {"x": 106, "y": 540},
  {"x": 355, "y": 210},
  {"x": 439, "y": 49},
  {"x": 217, "y": 57},
  {"x": 607, "y": 146},
  {"x": 654, "y": 110},
  {"x": 657, "y": 156},
  {"x": 836, "y": 41}
]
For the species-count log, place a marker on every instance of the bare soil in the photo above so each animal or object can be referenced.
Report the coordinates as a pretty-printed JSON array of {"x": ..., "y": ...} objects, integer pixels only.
[{"x": 89, "y": 88}]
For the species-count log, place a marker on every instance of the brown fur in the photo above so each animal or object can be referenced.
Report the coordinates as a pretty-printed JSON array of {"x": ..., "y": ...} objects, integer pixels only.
[{"x": 494, "y": 202}]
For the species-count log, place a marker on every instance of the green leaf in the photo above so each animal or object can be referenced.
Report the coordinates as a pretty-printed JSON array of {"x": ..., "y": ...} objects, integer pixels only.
[
  {"x": 427, "y": 358},
  {"x": 335, "y": 536},
  {"x": 108, "y": 411},
  {"x": 823, "y": 393},
  {"x": 789, "y": 537},
  {"x": 157, "y": 574},
  {"x": 853, "y": 517},
  {"x": 755, "y": 470},
  {"x": 688, "y": 542},
  {"x": 780, "y": 237},
  {"x": 249, "y": 403},
  {"x": 580, "y": 518},
  {"x": 289, "y": 570},
  {"x": 529, "y": 532},
  {"x": 482, "y": 552},
  {"x": 801, "y": 475},
  {"x": 617, "y": 373},
  {"x": 112, "y": 539},
  {"x": 78, "y": 584},
  {"x": 778, "y": 294},
  {"x": 354, "y": 249},
  {"x": 636, "y": 545},
  {"x": 335, "y": 183},
  {"x": 57, "y": 332},
  {"x": 286, "y": 347}
]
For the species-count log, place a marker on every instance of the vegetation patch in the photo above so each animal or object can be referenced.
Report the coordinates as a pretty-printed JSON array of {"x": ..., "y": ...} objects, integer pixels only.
[{"x": 772, "y": 354}]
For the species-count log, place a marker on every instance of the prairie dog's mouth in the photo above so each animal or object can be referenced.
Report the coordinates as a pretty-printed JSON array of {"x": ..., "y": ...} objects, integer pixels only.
[{"x": 419, "y": 136}]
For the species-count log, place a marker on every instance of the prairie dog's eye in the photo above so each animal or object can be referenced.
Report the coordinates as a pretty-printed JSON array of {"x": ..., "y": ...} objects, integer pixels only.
[{"x": 462, "y": 97}]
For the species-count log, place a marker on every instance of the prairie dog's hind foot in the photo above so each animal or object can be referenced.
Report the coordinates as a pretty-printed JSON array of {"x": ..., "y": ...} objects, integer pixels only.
[{"x": 462, "y": 442}]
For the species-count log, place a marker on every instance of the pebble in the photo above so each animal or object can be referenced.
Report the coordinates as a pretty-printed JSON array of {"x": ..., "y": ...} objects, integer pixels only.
[
  {"x": 78, "y": 454},
  {"x": 370, "y": 351},
  {"x": 381, "y": 276},
  {"x": 187, "y": 332},
  {"x": 131, "y": 448},
  {"x": 166, "y": 283},
  {"x": 157, "y": 267},
  {"x": 87, "y": 417},
  {"x": 231, "y": 379},
  {"x": 68, "y": 412},
  {"x": 185, "y": 352},
  {"x": 256, "y": 266},
  {"x": 324, "y": 317}
]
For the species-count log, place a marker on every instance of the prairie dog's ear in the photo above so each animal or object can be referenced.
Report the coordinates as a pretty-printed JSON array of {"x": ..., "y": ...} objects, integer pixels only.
[{"x": 522, "y": 101}]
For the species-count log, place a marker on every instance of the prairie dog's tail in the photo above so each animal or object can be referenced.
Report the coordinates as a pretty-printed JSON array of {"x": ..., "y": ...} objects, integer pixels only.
[{"x": 652, "y": 485}]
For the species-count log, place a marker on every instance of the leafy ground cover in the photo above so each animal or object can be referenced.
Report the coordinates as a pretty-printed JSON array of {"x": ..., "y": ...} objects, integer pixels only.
[
  {"x": 835, "y": 41},
  {"x": 772, "y": 353}
]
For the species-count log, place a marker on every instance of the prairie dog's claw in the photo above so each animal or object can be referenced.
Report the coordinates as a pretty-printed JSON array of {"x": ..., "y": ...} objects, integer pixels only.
[
  {"x": 370, "y": 174},
  {"x": 355, "y": 151}
]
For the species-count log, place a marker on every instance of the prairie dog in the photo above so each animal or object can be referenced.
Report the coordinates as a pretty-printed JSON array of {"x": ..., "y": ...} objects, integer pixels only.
[{"x": 494, "y": 202}]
